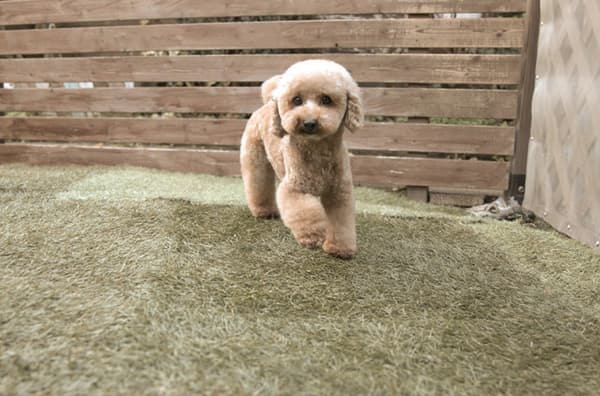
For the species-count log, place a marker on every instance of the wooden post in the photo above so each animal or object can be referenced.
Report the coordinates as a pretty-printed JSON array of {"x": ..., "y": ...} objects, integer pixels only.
[
  {"x": 523, "y": 125},
  {"x": 1, "y": 113},
  {"x": 1, "y": 87},
  {"x": 416, "y": 193}
]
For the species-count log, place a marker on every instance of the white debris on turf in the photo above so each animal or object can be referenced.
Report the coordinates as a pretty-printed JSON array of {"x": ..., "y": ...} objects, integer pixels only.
[{"x": 498, "y": 209}]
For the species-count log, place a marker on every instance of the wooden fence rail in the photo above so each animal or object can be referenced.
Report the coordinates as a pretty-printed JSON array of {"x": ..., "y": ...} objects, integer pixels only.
[
  {"x": 367, "y": 68},
  {"x": 17, "y": 12},
  {"x": 441, "y": 94}
]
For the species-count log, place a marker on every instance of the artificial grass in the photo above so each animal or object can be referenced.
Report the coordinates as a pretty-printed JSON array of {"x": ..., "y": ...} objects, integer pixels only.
[{"x": 131, "y": 281}]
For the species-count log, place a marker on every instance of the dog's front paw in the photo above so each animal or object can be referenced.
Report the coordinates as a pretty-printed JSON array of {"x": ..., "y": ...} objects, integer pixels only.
[
  {"x": 265, "y": 213},
  {"x": 338, "y": 250},
  {"x": 311, "y": 240}
]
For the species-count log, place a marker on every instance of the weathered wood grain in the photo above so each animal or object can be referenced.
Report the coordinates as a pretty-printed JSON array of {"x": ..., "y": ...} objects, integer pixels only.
[
  {"x": 428, "y": 102},
  {"x": 380, "y": 68},
  {"x": 433, "y": 138},
  {"x": 44, "y": 11},
  {"x": 389, "y": 171},
  {"x": 181, "y": 131},
  {"x": 367, "y": 170},
  {"x": 189, "y": 100},
  {"x": 227, "y": 132},
  {"x": 221, "y": 163},
  {"x": 353, "y": 33},
  {"x": 418, "y": 102}
]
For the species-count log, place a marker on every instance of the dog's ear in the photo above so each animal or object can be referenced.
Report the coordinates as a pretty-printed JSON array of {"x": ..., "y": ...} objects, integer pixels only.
[
  {"x": 275, "y": 122},
  {"x": 266, "y": 91},
  {"x": 354, "y": 111},
  {"x": 267, "y": 88}
]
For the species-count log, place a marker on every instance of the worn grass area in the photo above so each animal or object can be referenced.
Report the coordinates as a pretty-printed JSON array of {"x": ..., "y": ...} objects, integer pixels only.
[{"x": 128, "y": 281}]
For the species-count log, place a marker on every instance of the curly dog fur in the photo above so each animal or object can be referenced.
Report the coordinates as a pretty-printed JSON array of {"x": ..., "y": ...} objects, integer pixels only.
[{"x": 296, "y": 137}]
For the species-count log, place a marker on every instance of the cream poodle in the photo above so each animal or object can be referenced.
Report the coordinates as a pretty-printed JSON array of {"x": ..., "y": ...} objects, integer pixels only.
[{"x": 296, "y": 137}]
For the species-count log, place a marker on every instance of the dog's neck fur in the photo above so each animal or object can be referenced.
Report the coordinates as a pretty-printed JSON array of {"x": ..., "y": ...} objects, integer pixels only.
[
  {"x": 319, "y": 158},
  {"x": 330, "y": 143}
]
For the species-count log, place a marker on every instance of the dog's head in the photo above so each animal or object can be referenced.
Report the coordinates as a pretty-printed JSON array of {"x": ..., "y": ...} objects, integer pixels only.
[{"x": 315, "y": 99}]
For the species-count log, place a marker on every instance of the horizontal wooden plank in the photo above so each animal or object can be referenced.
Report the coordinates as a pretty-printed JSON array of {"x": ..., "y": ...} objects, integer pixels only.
[
  {"x": 352, "y": 33},
  {"x": 367, "y": 170},
  {"x": 388, "y": 171},
  {"x": 434, "y": 138},
  {"x": 44, "y": 11},
  {"x": 221, "y": 163},
  {"x": 407, "y": 68},
  {"x": 189, "y": 100},
  {"x": 227, "y": 132},
  {"x": 417, "y": 102},
  {"x": 453, "y": 103},
  {"x": 224, "y": 132}
]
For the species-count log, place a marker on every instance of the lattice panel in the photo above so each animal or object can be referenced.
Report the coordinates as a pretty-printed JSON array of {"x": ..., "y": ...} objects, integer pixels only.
[{"x": 563, "y": 175}]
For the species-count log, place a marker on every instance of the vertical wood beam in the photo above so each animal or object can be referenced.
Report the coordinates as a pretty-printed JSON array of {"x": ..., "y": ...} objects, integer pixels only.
[{"x": 523, "y": 124}]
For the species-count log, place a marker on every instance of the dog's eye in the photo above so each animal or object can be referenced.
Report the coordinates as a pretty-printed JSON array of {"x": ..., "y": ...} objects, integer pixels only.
[
  {"x": 326, "y": 100},
  {"x": 297, "y": 101}
]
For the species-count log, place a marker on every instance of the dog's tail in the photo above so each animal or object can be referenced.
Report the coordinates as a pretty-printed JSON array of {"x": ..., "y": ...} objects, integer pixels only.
[{"x": 267, "y": 88}]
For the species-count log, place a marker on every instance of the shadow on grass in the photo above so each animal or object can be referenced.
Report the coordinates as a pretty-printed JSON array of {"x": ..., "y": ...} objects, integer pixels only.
[{"x": 426, "y": 299}]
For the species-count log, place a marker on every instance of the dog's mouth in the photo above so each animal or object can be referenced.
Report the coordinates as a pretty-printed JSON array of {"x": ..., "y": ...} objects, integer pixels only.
[{"x": 310, "y": 132}]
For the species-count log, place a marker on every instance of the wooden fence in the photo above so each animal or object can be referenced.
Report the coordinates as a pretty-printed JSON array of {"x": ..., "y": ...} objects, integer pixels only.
[
  {"x": 193, "y": 70},
  {"x": 564, "y": 157}
]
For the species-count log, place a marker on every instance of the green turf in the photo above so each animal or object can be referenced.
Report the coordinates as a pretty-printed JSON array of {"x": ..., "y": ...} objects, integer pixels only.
[{"x": 130, "y": 281}]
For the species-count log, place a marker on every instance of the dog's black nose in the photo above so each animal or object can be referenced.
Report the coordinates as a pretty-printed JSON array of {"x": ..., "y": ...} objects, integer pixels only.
[{"x": 309, "y": 125}]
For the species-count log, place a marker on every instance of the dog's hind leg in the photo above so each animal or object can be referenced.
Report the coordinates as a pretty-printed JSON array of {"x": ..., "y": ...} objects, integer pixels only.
[{"x": 258, "y": 175}]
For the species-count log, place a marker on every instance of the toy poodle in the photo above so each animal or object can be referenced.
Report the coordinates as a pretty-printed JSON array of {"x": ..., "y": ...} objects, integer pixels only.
[{"x": 296, "y": 138}]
